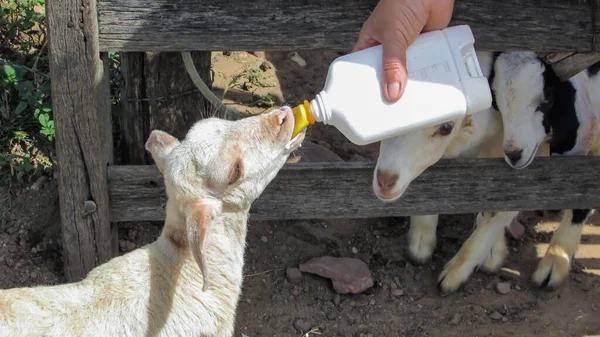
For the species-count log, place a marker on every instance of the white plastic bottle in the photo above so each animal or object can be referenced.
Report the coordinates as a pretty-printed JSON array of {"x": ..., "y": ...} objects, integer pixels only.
[{"x": 445, "y": 82}]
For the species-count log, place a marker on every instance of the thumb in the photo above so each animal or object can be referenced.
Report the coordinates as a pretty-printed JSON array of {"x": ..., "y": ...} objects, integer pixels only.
[{"x": 395, "y": 75}]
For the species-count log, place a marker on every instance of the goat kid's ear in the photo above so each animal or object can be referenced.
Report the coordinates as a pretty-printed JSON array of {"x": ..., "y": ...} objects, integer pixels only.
[
  {"x": 200, "y": 215},
  {"x": 588, "y": 124},
  {"x": 160, "y": 144}
]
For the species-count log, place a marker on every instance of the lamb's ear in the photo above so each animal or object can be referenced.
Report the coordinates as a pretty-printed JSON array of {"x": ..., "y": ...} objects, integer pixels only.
[
  {"x": 575, "y": 105},
  {"x": 159, "y": 144},
  {"x": 200, "y": 215},
  {"x": 588, "y": 124}
]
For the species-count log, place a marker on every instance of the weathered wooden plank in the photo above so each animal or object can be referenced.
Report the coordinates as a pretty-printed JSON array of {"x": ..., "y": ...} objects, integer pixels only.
[
  {"x": 159, "y": 93},
  {"x": 343, "y": 190},
  {"x": 573, "y": 64},
  {"x": 81, "y": 111},
  {"x": 180, "y": 25}
]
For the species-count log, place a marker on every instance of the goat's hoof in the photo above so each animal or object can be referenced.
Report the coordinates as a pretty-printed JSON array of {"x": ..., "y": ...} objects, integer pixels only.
[
  {"x": 495, "y": 258},
  {"x": 453, "y": 276},
  {"x": 552, "y": 271},
  {"x": 421, "y": 246}
]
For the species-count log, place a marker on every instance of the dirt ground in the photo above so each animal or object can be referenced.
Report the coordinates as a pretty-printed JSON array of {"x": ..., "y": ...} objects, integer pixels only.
[{"x": 30, "y": 249}]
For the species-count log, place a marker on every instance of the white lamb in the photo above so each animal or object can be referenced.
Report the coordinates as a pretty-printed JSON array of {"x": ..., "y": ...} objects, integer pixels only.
[
  {"x": 563, "y": 114},
  {"x": 404, "y": 158},
  {"x": 211, "y": 179}
]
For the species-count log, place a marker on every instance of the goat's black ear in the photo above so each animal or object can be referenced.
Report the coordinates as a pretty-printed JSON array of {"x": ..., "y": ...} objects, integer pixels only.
[
  {"x": 574, "y": 121},
  {"x": 160, "y": 144}
]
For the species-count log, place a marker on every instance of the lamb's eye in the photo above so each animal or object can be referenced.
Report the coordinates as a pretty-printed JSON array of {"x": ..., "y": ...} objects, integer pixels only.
[{"x": 444, "y": 129}]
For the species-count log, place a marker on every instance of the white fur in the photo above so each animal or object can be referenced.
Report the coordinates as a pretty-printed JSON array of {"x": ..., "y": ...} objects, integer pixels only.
[
  {"x": 159, "y": 290},
  {"x": 518, "y": 86},
  {"x": 479, "y": 135},
  {"x": 523, "y": 129}
]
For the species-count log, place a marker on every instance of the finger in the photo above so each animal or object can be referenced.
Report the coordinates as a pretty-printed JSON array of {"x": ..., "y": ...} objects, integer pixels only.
[
  {"x": 440, "y": 15},
  {"x": 365, "y": 40},
  {"x": 394, "y": 70}
]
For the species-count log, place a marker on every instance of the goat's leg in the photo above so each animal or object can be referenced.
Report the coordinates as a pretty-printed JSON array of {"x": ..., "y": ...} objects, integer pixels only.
[
  {"x": 554, "y": 267},
  {"x": 485, "y": 247},
  {"x": 422, "y": 237}
]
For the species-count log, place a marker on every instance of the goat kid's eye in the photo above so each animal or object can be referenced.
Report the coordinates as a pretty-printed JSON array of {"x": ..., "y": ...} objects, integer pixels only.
[{"x": 444, "y": 129}]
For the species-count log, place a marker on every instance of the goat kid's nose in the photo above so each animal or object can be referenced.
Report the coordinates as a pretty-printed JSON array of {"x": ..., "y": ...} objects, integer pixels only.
[
  {"x": 514, "y": 155},
  {"x": 386, "y": 180}
]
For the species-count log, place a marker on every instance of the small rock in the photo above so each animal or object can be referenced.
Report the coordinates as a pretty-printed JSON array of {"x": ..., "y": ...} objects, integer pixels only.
[
  {"x": 301, "y": 325},
  {"x": 226, "y": 53},
  {"x": 503, "y": 288},
  {"x": 122, "y": 244},
  {"x": 264, "y": 239},
  {"x": 12, "y": 248},
  {"x": 354, "y": 250},
  {"x": 293, "y": 275},
  {"x": 372, "y": 302},
  {"x": 331, "y": 315},
  {"x": 265, "y": 66},
  {"x": 417, "y": 277},
  {"x": 348, "y": 275},
  {"x": 357, "y": 157},
  {"x": 34, "y": 250},
  {"x": 1, "y": 259},
  {"x": 12, "y": 230},
  {"x": 295, "y": 291},
  {"x": 33, "y": 275},
  {"x": 294, "y": 56},
  {"x": 496, "y": 316},
  {"x": 504, "y": 319},
  {"x": 132, "y": 234},
  {"x": 9, "y": 262},
  {"x": 336, "y": 299},
  {"x": 313, "y": 152},
  {"x": 397, "y": 292},
  {"x": 455, "y": 319},
  {"x": 517, "y": 287}
]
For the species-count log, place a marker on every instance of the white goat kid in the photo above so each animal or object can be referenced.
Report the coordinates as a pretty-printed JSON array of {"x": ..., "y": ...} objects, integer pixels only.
[
  {"x": 211, "y": 179},
  {"x": 566, "y": 113},
  {"x": 404, "y": 158}
]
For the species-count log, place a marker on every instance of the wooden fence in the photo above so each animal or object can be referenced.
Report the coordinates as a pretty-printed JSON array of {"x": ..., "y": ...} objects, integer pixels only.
[{"x": 94, "y": 194}]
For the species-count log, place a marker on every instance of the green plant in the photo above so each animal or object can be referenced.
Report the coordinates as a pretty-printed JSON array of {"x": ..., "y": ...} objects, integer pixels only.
[{"x": 26, "y": 123}]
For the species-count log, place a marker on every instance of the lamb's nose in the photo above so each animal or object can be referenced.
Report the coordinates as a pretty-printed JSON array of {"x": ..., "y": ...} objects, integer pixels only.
[
  {"x": 386, "y": 180},
  {"x": 514, "y": 156}
]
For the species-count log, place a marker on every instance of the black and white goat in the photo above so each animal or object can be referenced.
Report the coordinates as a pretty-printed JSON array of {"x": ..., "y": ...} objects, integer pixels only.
[{"x": 537, "y": 108}]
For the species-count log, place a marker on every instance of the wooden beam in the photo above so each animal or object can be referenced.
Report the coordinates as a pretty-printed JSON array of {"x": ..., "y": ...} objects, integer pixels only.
[
  {"x": 343, "y": 190},
  {"x": 81, "y": 107},
  {"x": 184, "y": 25}
]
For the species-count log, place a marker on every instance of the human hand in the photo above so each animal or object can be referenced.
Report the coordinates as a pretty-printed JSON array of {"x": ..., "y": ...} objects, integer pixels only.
[{"x": 395, "y": 24}]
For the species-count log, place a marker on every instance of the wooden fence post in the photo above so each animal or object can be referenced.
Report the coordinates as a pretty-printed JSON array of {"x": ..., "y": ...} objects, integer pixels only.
[
  {"x": 81, "y": 111},
  {"x": 158, "y": 93}
]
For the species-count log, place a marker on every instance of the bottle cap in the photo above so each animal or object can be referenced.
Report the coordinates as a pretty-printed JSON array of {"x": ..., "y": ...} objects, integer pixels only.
[{"x": 303, "y": 117}]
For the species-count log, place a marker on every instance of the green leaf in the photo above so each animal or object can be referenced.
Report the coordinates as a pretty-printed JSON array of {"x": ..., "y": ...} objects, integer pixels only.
[
  {"x": 47, "y": 107},
  {"x": 10, "y": 72},
  {"x": 44, "y": 119},
  {"x": 20, "y": 175},
  {"x": 22, "y": 106}
]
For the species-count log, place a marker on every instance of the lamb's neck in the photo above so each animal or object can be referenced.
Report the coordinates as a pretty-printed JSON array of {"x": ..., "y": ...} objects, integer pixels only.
[{"x": 225, "y": 245}]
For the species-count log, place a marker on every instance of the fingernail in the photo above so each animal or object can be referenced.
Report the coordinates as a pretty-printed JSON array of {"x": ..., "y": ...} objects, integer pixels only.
[{"x": 393, "y": 90}]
